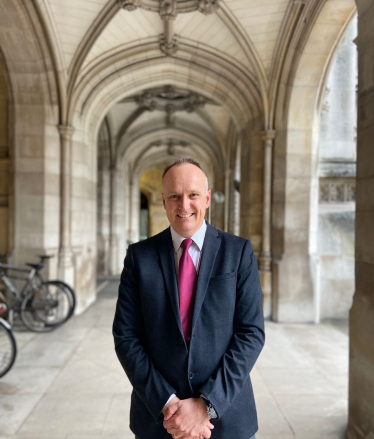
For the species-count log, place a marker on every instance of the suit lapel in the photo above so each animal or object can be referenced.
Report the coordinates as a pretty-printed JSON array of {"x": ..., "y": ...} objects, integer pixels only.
[
  {"x": 211, "y": 245},
  {"x": 166, "y": 252}
]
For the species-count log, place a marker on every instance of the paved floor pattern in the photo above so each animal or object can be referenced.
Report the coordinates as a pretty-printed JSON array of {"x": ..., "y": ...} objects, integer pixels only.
[{"x": 69, "y": 384}]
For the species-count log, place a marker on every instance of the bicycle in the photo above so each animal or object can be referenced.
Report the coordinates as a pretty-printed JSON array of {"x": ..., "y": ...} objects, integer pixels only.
[
  {"x": 42, "y": 305},
  {"x": 8, "y": 346}
]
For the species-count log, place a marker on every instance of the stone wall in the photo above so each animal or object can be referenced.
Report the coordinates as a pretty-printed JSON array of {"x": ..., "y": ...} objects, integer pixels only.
[
  {"x": 361, "y": 370},
  {"x": 4, "y": 165},
  {"x": 83, "y": 218},
  {"x": 337, "y": 172}
]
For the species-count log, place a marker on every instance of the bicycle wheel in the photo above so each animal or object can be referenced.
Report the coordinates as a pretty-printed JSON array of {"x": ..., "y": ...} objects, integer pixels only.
[
  {"x": 40, "y": 282},
  {"x": 69, "y": 290},
  {"x": 45, "y": 309},
  {"x": 8, "y": 347}
]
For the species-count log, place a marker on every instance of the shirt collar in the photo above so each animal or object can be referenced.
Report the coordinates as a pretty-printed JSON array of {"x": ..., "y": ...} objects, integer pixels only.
[{"x": 198, "y": 237}]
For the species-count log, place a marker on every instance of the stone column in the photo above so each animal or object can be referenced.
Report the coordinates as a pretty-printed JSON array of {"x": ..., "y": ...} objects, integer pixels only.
[
  {"x": 133, "y": 210},
  {"x": 227, "y": 199},
  {"x": 129, "y": 213},
  {"x": 66, "y": 263},
  {"x": 113, "y": 237},
  {"x": 265, "y": 255},
  {"x": 361, "y": 324}
]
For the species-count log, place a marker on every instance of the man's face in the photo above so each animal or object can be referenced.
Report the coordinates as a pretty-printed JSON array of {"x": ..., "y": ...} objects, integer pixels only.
[{"x": 185, "y": 198}]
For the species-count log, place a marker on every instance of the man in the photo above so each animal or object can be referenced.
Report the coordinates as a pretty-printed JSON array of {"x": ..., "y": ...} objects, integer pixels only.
[{"x": 189, "y": 324}]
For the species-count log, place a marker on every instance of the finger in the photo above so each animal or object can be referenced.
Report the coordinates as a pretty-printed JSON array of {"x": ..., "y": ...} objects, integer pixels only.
[
  {"x": 179, "y": 434},
  {"x": 210, "y": 425},
  {"x": 170, "y": 411},
  {"x": 174, "y": 431},
  {"x": 168, "y": 424},
  {"x": 207, "y": 433}
]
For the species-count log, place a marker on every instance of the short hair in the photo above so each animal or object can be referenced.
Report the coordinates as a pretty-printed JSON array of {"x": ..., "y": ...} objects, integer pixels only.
[{"x": 186, "y": 160}]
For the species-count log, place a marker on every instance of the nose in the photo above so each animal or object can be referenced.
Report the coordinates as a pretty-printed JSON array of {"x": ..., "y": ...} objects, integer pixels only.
[{"x": 184, "y": 203}]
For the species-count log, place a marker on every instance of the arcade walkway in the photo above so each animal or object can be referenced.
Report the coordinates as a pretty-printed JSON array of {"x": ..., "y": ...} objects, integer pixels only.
[{"x": 69, "y": 384}]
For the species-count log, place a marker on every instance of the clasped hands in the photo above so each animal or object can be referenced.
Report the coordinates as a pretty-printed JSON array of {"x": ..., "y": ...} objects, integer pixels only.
[{"x": 187, "y": 419}]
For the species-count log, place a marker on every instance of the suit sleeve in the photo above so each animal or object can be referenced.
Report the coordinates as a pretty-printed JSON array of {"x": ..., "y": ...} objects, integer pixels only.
[
  {"x": 248, "y": 339},
  {"x": 128, "y": 335}
]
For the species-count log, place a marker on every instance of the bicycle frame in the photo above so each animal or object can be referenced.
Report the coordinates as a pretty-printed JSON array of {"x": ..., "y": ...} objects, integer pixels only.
[
  {"x": 10, "y": 287},
  {"x": 5, "y": 278}
]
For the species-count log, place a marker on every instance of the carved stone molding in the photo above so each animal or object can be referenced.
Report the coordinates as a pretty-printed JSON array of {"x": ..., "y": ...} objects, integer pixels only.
[
  {"x": 207, "y": 6},
  {"x": 268, "y": 136},
  {"x": 171, "y": 144},
  {"x": 168, "y": 47},
  {"x": 66, "y": 131},
  {"x": 168, "y": 9},
  {"x": 337, "y": 190},
  {"x": 129, "y": 5},
  {"x": 194, "y": 101},
  {"x": 170, "y": 100},
  {"x": 170, "y": 110},
  {"x": 146, "y": 101},
  {"x": 170, "y": 92}
]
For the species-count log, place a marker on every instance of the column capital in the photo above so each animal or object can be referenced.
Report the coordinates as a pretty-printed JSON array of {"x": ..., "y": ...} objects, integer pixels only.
[
  {"x": 267, "y": 135},
  {"x": 66, "y": 131},
  {"x": 265, "y": 260},
  {"x": 129, "y": 5},
  {"x": 207, "y": 6}
]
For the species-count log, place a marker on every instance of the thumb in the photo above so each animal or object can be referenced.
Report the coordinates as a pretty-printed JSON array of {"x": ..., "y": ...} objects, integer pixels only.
[{"x": 171, "y": 411}]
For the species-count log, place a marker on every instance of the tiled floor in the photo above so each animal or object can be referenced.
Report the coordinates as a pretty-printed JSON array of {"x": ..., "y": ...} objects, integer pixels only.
[{"x": 69, "y": 384}]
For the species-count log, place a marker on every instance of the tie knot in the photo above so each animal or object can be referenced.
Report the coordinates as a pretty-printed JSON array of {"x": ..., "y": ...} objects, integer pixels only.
[{"x": 186, "y": 244}]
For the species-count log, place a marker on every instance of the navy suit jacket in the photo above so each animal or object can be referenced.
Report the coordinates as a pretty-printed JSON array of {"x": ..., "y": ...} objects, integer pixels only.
[{"x": 227, "y": 333}]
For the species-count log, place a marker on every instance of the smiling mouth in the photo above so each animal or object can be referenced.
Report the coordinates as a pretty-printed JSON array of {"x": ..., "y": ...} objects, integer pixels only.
[{"x": 185, "y": 216}]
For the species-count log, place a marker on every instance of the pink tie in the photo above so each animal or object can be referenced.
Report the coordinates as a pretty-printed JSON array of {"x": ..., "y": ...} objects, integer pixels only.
[{"x": 187, "y": 278}]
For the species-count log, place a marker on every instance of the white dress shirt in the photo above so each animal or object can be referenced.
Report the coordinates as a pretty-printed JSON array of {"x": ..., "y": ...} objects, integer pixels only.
[{"x": 194, "y": 251}]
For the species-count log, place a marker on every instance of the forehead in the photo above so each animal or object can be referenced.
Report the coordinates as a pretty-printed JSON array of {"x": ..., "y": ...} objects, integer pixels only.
[{"x": 186, "y": 176}]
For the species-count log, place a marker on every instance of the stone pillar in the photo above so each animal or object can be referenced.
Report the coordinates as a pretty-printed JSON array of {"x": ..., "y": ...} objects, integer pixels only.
[
  {"x": 361, "y": 326},
  {"x": 265, "y": 255},
  {"x": 251, "y": 184},
  {"x": 66, "y": 263},
  {"x": 133, "y": 210},
  {"x": 130, "y": 237},
  {"x": 227, "y": 199},
  {"x": 113, "y": 238},
  {"x": 218, "y": 206}
]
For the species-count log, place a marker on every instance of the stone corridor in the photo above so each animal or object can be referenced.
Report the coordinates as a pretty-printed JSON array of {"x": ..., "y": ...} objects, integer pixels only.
[{"x": 69, "y": 384}]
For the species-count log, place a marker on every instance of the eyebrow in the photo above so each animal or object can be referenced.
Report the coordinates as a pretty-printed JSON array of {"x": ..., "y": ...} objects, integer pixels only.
[{"x": 191, "y": 191}]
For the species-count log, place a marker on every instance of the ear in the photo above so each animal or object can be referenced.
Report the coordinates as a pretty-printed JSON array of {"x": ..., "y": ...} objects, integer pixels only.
[
  {"x": 208, "y": 195},
  {"x": 163, "y": 201}
]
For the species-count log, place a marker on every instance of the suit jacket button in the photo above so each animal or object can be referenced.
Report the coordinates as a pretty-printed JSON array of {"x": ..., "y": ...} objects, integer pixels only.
[
  {"x": 180, "y": 341},
  {"x": 190, "y": 375}
]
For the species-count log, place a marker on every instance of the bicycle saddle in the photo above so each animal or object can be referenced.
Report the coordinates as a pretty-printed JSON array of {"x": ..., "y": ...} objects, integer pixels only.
[
  {"x": 36, "y": 266},
  {"x": 45, "y": 256}
]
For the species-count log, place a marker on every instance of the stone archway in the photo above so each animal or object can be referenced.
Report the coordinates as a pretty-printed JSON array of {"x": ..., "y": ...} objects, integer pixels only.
[
  {"x": 33, "y": 139},
  {"x": 361, "y": 369},
  {"x": 295, "y": 183},
  {"x": 116, "y": 84}
]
